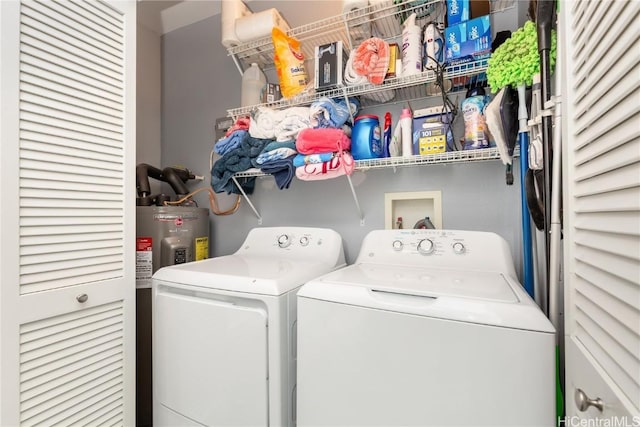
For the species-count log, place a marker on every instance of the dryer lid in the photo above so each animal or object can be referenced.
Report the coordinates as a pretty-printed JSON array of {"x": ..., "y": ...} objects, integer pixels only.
[
  {"x": 480, "y": 297},
  {"x": 266, "y": 275}
]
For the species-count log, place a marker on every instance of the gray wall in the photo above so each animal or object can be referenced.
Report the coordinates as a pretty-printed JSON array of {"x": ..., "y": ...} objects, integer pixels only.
[
  {"x": 148, "y": 95},
  {"x": 200, "y": 82}
]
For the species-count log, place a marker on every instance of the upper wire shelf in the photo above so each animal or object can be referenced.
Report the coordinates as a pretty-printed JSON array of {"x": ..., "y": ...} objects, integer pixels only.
[
  {"x": 382, "y": 19},
  {"x": 409, "y": 87}
]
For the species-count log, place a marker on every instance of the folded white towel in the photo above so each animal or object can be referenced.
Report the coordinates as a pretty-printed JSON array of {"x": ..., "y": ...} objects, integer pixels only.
[
  {"x": 294, "y": 119},
  {"x": 264, "y": 122}
]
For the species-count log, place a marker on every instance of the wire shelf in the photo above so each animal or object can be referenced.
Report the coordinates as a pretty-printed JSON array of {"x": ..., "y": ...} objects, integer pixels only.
[
  {"x": 464, "y": 156},
  {"x": 381, "y": 20},
  {"x": 405, "y": 88}
]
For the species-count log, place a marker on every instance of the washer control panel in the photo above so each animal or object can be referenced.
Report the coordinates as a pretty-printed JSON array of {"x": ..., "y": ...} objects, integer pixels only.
[
  {"x": 438, "y": 248},
  {"x": 428, "y": 245}
]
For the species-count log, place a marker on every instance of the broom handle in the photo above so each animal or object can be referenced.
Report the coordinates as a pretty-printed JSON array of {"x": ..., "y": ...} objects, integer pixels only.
[
  {"x": 544, "y": 21},
  {"x": 527, "y": 247}
]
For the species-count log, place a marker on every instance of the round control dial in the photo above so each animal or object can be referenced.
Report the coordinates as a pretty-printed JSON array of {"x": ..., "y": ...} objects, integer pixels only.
[
  {"x": 284, "y": 240},
  {"x": 458, "y": 248},
  {"x": 397, "y": 245},
  {"x": 304, "y": 241},
  {"x": 426, "y": 246}
]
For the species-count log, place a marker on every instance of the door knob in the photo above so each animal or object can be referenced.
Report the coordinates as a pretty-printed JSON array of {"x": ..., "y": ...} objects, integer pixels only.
[
  {"x": 583, "y": 402},
  {"x": 82, "y": 298}
]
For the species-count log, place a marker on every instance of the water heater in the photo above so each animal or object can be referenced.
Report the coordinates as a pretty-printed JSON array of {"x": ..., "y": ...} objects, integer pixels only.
[{"x": 168, "y": 235}]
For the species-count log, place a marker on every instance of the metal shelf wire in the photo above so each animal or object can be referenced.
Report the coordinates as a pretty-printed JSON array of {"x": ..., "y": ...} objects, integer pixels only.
[
  {"x": 382, "y": 20},
  {"x": 464, "y": 156},
  {"x": 406, "y": 88}
]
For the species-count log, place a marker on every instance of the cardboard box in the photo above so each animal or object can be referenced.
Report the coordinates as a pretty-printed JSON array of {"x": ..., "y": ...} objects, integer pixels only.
[
  {"x": 463, "y": 10},
  {"x": 468, "y": 39},
  {"x": 330, "y": 60},
  {"x": 429, "y": 133},
  {"x": 457, "y": 11},
  {"x": 271, "y": 93},
  {"x": 394, "y": 55}
]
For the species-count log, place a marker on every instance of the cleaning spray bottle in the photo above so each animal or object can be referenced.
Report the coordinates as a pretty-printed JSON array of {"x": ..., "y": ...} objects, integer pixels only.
[
  {"x": 411, "y": 47},
  {"x": 386, "y": 134},
  {"x": 406, "y": 124}
]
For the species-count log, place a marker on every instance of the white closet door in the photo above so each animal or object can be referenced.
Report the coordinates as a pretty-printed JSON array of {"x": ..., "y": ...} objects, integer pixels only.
[
  {"x": 67, "y": 295},
  {"x": 601, "y": 144}
]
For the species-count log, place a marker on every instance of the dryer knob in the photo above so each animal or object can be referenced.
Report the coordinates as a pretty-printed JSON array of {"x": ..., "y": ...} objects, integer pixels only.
[
  {"x": 304, "y": 241},
  {"x": 284, "y": 240},
  {"x": 426, "y": 246},
  {"x": 397, "y": 245}
]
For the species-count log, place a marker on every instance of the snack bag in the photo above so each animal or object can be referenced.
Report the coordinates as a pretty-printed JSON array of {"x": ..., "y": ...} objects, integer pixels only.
[{"x": 289, "y": 61}]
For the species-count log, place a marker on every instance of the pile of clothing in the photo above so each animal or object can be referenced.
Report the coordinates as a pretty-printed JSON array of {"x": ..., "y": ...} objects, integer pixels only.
[{"x": 308, "y": 142}]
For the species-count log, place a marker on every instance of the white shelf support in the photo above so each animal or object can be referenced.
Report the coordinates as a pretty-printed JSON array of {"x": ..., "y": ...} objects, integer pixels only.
[
  {"x": 355, "y": 199},
  {"x": 244, "y": 195}
]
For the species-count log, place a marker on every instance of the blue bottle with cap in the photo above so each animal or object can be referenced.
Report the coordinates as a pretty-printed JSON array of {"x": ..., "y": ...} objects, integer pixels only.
[{"x": 365, "y": 138}]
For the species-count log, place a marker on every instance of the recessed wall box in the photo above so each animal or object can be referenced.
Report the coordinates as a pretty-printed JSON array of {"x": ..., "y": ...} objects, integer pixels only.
[{"x": 330, "y": 60}]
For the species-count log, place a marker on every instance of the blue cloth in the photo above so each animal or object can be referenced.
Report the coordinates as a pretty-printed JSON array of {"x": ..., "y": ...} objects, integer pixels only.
[
  {"x": 305, "y": 159},
  {"x": 328, "y": 113},
  {"x": 276, "y": 154},
  {"x": 237, "y": 160},
  {"x": 275, "y": 145},
  {"x": 282, "y": 171},
  {"x": 231, "y": 142}
]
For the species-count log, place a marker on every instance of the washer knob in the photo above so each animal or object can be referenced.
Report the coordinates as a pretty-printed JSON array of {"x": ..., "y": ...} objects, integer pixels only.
[
  {"x": 284, "y": 240},
  {"x": 426, "y": 246},
  {"x": 397, "y": 245},
  {"x": 458, "y": 248},
  {"x": 304, "y": 241}
]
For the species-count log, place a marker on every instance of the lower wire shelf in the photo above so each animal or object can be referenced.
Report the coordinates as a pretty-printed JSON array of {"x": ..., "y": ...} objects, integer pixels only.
[{"x": 464, "y": 156}]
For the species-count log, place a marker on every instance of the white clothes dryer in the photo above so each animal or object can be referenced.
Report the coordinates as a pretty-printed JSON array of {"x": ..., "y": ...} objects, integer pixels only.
[
  {"x": 224, "y": 329},
  {"x": 427, "y": 328}
]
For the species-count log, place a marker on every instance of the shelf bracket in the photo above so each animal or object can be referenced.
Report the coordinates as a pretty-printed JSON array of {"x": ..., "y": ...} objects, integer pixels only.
[
  {"x": 244, "y": 195},
  {"x": 235, "y": 61},
  {"x": 355, "y": 199}
]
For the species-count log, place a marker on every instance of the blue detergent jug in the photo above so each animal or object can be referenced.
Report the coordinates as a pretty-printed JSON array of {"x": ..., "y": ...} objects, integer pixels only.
[{"x": 365, "y": 138}]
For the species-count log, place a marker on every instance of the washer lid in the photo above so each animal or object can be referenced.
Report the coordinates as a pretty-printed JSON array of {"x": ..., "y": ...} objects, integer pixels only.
[
  {"x": 244, "y": 273},
  {"x": 488, "y": 298},
  {"x": 430, "y": 282}
]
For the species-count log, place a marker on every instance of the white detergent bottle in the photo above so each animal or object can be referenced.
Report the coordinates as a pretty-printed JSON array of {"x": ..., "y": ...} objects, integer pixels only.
[
  {"x": 406, "y": 126},
  {"x": 411, "y": 47},
  {"x": 253, "y": 83}
]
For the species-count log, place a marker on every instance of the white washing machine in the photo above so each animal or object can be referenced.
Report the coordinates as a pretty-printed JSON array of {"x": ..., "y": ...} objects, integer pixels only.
[
  {"x": 427, "y": 328},
  {"x": 224, "y": 329}
]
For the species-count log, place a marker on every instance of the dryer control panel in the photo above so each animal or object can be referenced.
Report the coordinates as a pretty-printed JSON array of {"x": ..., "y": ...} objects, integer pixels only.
[
  {"x": 439, "y": 248},
  {"x": 308, "y": 243}
]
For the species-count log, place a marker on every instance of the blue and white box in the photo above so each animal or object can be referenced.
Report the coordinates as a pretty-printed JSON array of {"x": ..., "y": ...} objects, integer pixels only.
[
  {"x": 468, "y": 39},
  {"x": 457, "y": 11}
]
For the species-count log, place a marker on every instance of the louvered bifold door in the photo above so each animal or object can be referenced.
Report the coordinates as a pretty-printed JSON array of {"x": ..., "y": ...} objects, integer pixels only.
[
  {"x": 74, "y": 286},
  {"x": 71, "y": 144},
  {"x": 601, "y": 142}
]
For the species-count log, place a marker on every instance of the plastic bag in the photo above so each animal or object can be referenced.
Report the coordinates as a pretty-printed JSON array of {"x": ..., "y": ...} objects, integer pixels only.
[{"x": 289, "y": 61}]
